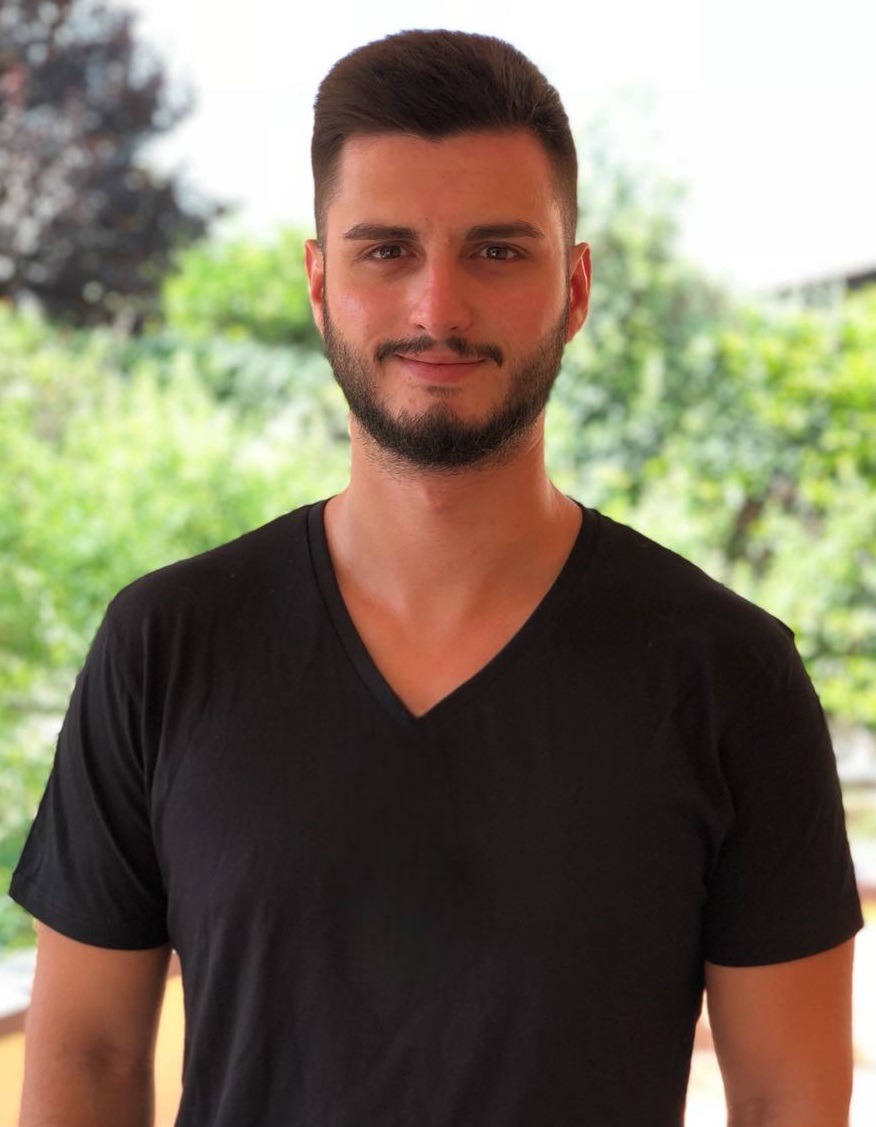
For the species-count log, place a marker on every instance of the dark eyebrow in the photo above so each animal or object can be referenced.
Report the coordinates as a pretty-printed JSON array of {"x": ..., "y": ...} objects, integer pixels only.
[
  {"x": 503, "y": 231},
  {"x": 380, "y": 233}
]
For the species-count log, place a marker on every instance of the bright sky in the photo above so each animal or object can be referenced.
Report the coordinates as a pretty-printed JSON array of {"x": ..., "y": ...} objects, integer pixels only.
[{"x": 764, "y": 108}]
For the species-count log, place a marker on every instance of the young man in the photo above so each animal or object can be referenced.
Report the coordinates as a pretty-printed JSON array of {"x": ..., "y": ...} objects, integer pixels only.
[{"x": 450, "y": 794}]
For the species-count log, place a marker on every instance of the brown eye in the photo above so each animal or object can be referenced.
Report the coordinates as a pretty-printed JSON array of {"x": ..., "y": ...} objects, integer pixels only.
[
  {"x": 386, "y": 251},
  {"x": 499, "y": 252}
]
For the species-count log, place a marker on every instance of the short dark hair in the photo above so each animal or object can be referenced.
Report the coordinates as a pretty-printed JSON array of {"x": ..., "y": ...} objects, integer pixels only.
[{"x": 438, "y": 84}]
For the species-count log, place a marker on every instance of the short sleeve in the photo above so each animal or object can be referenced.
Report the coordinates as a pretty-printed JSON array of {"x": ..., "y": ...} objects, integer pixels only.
[
  {"x": 783, "y": 886},
  {"x": 89, "y": 868}
]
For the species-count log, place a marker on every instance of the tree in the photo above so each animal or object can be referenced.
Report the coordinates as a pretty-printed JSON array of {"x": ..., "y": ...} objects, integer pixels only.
[
  {"x": 642, "y": 357},
  {"x": 116, "y": 459},
  {"x": 781, "y": 482},
  {"x": 240, "y": 289},
  {"x": 85, "y": 227},
  {"x": 761, "y": 469},
  {"x": 737, "y": 434}
]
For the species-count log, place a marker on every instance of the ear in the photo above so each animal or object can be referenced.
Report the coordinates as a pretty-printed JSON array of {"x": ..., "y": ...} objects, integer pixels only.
[
  {"x": 579, "y": 288},
  {"x": 314, "y": 265}
]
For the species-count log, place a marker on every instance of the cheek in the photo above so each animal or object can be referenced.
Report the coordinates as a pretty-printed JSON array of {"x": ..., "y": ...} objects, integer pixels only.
[
  {"x": 361, "y": 313},
  {"x": 530, "y": 319},
  {"x": 533, "y": 306}
]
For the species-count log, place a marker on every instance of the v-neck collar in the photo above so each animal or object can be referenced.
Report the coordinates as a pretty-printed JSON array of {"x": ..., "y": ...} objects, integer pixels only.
[{"x": 364, "y": 664}]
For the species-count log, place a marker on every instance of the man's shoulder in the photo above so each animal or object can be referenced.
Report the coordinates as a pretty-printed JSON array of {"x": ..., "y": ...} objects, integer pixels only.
[
  {"x": 666, "y": 594},
  {"x": 247, "y": 567}
]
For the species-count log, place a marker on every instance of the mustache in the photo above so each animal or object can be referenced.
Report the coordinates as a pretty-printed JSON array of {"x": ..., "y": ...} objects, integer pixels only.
[{"x": 458, "y": 345}]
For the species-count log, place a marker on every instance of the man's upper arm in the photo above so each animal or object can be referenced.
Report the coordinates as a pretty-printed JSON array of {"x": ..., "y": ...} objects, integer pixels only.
[
  {"x": 95, "y": 1001},
  {"x": 783, "y": 1038}
]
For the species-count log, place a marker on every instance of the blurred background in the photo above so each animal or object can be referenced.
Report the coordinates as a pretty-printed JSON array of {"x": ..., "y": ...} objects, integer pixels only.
[{"x": 162, "y": 388}]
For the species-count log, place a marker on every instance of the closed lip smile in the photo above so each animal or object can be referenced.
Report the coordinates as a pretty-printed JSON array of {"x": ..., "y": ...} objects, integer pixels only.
[
  {"x": 438, "y": 367},
  {"x": 438, "y": 359}
]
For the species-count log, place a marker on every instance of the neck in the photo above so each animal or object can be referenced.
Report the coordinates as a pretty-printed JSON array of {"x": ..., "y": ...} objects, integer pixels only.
[{"x": 447, "y": 541}]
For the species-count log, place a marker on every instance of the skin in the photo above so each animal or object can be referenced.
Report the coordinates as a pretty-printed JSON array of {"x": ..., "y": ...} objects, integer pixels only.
[
  {"x": 90, "y": 1034},
  {"x": 434, "y": 277},
  {"x": 439, "y": 567},
  {"x": 783, "y": 1038}
]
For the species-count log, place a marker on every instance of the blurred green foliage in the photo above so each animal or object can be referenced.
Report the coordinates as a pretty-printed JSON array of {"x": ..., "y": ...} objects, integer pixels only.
[
  {"x": 763, "y": 471},
  {"x": 117, "y": 458},
  {"x": 632, "y": 373},
  {"x": 242, "y": 290},
  {"x": 740, "y": 435}
]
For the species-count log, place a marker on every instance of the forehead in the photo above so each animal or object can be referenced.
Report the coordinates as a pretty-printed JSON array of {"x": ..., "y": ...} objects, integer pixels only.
[{"x": 464, "y": 179}]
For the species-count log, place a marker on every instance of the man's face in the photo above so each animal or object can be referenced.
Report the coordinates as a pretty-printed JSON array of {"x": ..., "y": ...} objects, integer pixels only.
[{"x": 445, "y": 291}]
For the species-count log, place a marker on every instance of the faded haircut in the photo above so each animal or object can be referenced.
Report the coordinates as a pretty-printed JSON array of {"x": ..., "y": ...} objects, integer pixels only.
[{"x": 436, "y": 84}]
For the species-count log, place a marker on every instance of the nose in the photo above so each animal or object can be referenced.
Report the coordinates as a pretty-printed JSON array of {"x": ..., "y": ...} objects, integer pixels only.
[{"x": 441, "y": 299}]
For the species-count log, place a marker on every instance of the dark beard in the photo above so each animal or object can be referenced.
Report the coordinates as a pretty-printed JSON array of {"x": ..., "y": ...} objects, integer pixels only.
[{"x": 436, "y": 438}]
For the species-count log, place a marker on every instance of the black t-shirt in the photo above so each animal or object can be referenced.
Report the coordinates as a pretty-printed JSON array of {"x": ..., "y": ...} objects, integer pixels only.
[{"x": 493, "y": 915}]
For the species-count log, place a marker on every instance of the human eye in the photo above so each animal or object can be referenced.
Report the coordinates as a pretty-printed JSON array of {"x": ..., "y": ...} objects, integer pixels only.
[
  {"x": 499, "y": 252},
  {"x": 385, "y": 252}
]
